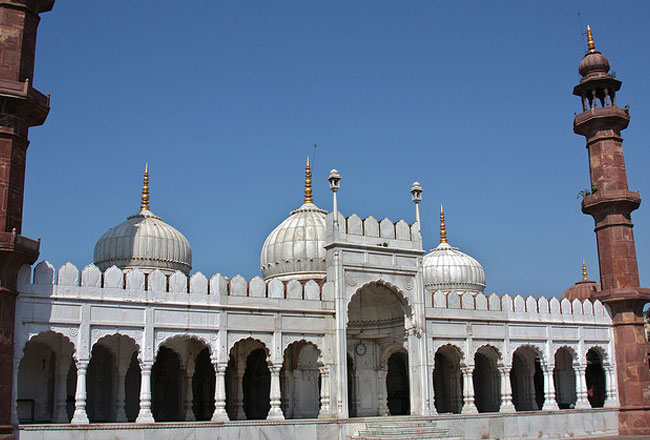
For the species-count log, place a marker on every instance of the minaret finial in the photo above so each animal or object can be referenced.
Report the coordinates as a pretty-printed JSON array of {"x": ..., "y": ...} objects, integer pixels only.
[
  {"x": 590, "y": 40},
  {"x": 145, "y": 189},
  {"x": 308, "y": 197},
  {"x": 443, "y": 230},
  {"x": 584, "y": 271}
]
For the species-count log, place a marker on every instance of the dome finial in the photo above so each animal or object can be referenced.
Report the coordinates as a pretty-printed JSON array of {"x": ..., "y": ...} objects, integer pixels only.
[
  {"x": 145, "y": 189},
  {"x": 308, "y": 197},
  {"x": 443, "y": 230},
  {"x": 590, "y": 40},
  {"x": 584, "y": 271}
]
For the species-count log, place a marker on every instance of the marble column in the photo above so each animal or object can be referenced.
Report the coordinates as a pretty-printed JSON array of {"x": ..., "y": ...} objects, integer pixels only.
[
  {"x": 468, "y": 391},
  {"x": 550, "y": 402},
  {"x": 145, "y": 415},
  {"x": 506, "y": 391},
  {"x": 382, "y": 397},
  {"x": 612, "y": 395},
  {"x": 238, "y": 394},
  {"x": 80, "y": 417},
  {"x": 220, "y": 414},
  {"x": 325, "y": 407},
  {"x": 275, "y": 412},
  {"x": 581, "y": 385},
  {"x": 120, "y": 393},
  {"x": 188, "y": 411},
  {"x": 61, "y": 391}
]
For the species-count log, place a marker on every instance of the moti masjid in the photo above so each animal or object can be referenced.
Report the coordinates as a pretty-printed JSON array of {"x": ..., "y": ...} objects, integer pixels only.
[{"x": 352, "y": 331}]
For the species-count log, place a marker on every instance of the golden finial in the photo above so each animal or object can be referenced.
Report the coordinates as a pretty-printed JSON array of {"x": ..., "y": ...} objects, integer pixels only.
[
  {"x": 443, "y": 230},
  {"x": 584, "y": 271},
  {"x": 590, "y": 40},
  {"x": 308, "y": 198},
  {"x": 145, "y": 189}
]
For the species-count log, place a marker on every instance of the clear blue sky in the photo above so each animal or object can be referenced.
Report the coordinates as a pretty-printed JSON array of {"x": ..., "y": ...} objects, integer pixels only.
[{"x": 225, "y": 100}]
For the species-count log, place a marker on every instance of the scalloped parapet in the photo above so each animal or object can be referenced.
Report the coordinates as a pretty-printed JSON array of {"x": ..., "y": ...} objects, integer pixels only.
[
  {"x": 516, "y": 307},
  {"x": 133, "y": 284},
  {"x": 370, "y": 231}
]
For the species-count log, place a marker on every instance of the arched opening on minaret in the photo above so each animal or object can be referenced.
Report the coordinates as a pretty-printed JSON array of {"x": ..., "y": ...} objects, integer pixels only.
[
  {"x": 487, "y": 380},
  {"x": 527, "y": 380},
  {"x": 447, "y": 380},
  {"x": 595, "y": 378},
  {"x": 377, "y": 314},
  {"x": 564, "y": 378}
]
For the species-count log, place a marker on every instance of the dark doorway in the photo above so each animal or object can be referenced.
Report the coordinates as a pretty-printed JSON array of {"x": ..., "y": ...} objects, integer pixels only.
[
  {"x": 257, "y": 385},
  {"x": 203, "y": 386},
  {"x": 595, "y": 378},
  {"x": 397, "y": 384},
  {"x": 166, "y": 389}
]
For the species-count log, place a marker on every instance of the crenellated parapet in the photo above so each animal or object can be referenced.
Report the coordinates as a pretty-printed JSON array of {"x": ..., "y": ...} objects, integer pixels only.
[
  {"x": 134, "y": 285},
  {"x": 370, "y": 231}
]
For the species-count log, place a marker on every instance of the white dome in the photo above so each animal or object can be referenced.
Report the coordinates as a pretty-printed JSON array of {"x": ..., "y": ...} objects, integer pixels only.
[
  {"x": 144, "y": 241},
  {"x": 445, "y": 267},
  {"x": 295, "y": 248}
]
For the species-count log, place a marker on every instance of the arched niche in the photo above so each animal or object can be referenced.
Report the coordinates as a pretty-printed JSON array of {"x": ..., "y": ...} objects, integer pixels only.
[
  {"x": 447, "y": 380},
  {"x": 300, "y": 380}
]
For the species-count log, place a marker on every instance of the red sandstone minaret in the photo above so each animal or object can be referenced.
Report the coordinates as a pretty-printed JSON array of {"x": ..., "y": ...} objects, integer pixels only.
[
  {"x": 21, "y": 107},
  {"x": 610, "y": 204}
]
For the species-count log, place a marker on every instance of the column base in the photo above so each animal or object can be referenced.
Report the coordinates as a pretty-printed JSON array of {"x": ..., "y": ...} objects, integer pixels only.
[
  {"x": 322, "y": 415},
  {"x": 550, "y": 406},
  {"x": 220, "y": 417},
  {"x": 79, "y": 418},
  {"x": 275, "y": 414},
  {"x": 583, "y": 404},
  {"x": 507, "y": 408},
  {"x": 145, "y": 417},
  {"x": 469, "y": 409},
  {"x": 612, "y": 403}
]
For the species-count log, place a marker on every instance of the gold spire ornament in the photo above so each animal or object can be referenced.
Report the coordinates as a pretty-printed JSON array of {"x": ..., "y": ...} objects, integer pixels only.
[
  {"x": 584, "y": 271},
  {"x": 308, "y": 197},
  {"x": 145, "y": 189},
  {"x": 443, "y": 230},
  {"x": 590, "y": 40}
]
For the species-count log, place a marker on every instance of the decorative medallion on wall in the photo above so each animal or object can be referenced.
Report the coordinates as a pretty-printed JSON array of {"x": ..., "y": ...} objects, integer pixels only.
[
  {"x": 408, "y": 283},
  {"x": 351, "y": 279},
  {"x": 73, "y": 331}
]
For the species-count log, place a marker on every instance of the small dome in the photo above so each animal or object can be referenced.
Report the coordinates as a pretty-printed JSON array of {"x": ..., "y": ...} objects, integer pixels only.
[
  {"x": 445, "y": 267},
  {"x": 144, "y": 241},
  {"x": 593, "y": 63},
  {"x": 583, "y": 289},
  {"x": 296, "y": 247}
]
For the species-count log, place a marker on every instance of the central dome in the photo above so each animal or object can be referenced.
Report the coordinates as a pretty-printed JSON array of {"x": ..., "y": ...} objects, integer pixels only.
[{"x": 295, "y": 248}]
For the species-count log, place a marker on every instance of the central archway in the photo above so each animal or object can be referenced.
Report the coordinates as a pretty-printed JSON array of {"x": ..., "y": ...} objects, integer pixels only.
[{"x": 378, "y": 376}]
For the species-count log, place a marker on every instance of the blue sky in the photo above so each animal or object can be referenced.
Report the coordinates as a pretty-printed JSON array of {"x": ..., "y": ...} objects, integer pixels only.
[{"x": 226, "y": 99}]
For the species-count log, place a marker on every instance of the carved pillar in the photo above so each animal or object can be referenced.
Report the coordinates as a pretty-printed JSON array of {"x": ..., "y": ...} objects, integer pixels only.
[
  {"x": 325, "y": 408},
  {"x": 188, "y": 411},
  {"x": 275, "y": 413},
  {"x": 145, "y": 416},
  {"x": 468, "y": 391},
  {"x": 80, "y": 417},
  {"x": 506, "y": 390},
  {"x": 382, "y": 404},
  {"x": 581, "y": 387},
  {"x": 120, "y": 392},
  {"x": 550, "y": 402},
  {"x": 220, "y": 414},
  {"x": 61, "y": 391},
  {"x": 238, "y": 395},
  {"x": 612, "y": 395}
]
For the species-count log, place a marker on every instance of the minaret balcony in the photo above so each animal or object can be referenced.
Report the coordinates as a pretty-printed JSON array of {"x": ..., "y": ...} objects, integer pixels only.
[
  {"x": 27, "y": 100},
  {"x": 589, "y": 121},
  {"x": 601, "y": 203}
]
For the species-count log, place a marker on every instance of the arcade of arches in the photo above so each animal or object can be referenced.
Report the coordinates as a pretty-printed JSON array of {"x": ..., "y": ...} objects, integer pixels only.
[{"x": 184, "y": 376}]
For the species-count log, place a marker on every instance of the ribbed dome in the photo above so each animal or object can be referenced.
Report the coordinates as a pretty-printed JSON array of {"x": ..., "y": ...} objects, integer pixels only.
[
  {"x": 583, "y": 289},
  {"x": 144, "y": 241},
  {"x": 295, "y": 247},
  {"x": 445, "y": 267},
  {"x": 592, "y": 63}
]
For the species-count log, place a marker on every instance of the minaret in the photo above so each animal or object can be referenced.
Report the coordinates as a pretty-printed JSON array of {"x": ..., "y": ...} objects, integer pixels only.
[
  {"x": 21, "y": 107},
  {"x": 610, "y": 204}
]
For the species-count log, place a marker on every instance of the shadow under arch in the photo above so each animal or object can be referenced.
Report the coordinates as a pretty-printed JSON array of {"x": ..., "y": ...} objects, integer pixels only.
[
  {"x": 527, "y": 378},
  {"x": 248, "y": 380},
  {"x": 564, "y": 377},
  {"x": 377, "y": 316},
  {"x": 300, "y": 380},
  {"x": 447, "y": 379},
  {"x": 487, "y": 379}
]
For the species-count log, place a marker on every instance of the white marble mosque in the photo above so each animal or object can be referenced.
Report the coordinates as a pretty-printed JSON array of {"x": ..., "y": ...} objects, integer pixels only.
[{"x": 351, "y": 324}]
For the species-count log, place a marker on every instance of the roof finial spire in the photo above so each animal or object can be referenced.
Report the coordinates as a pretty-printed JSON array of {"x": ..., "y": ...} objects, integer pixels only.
[
  {"x": 590, "y": 40},
  {"x": 443, "y": 230},
  {"x": 145, "y": 189},
  {"x": 308, "y": 197},
  {"x": 584, "y": 271}
]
